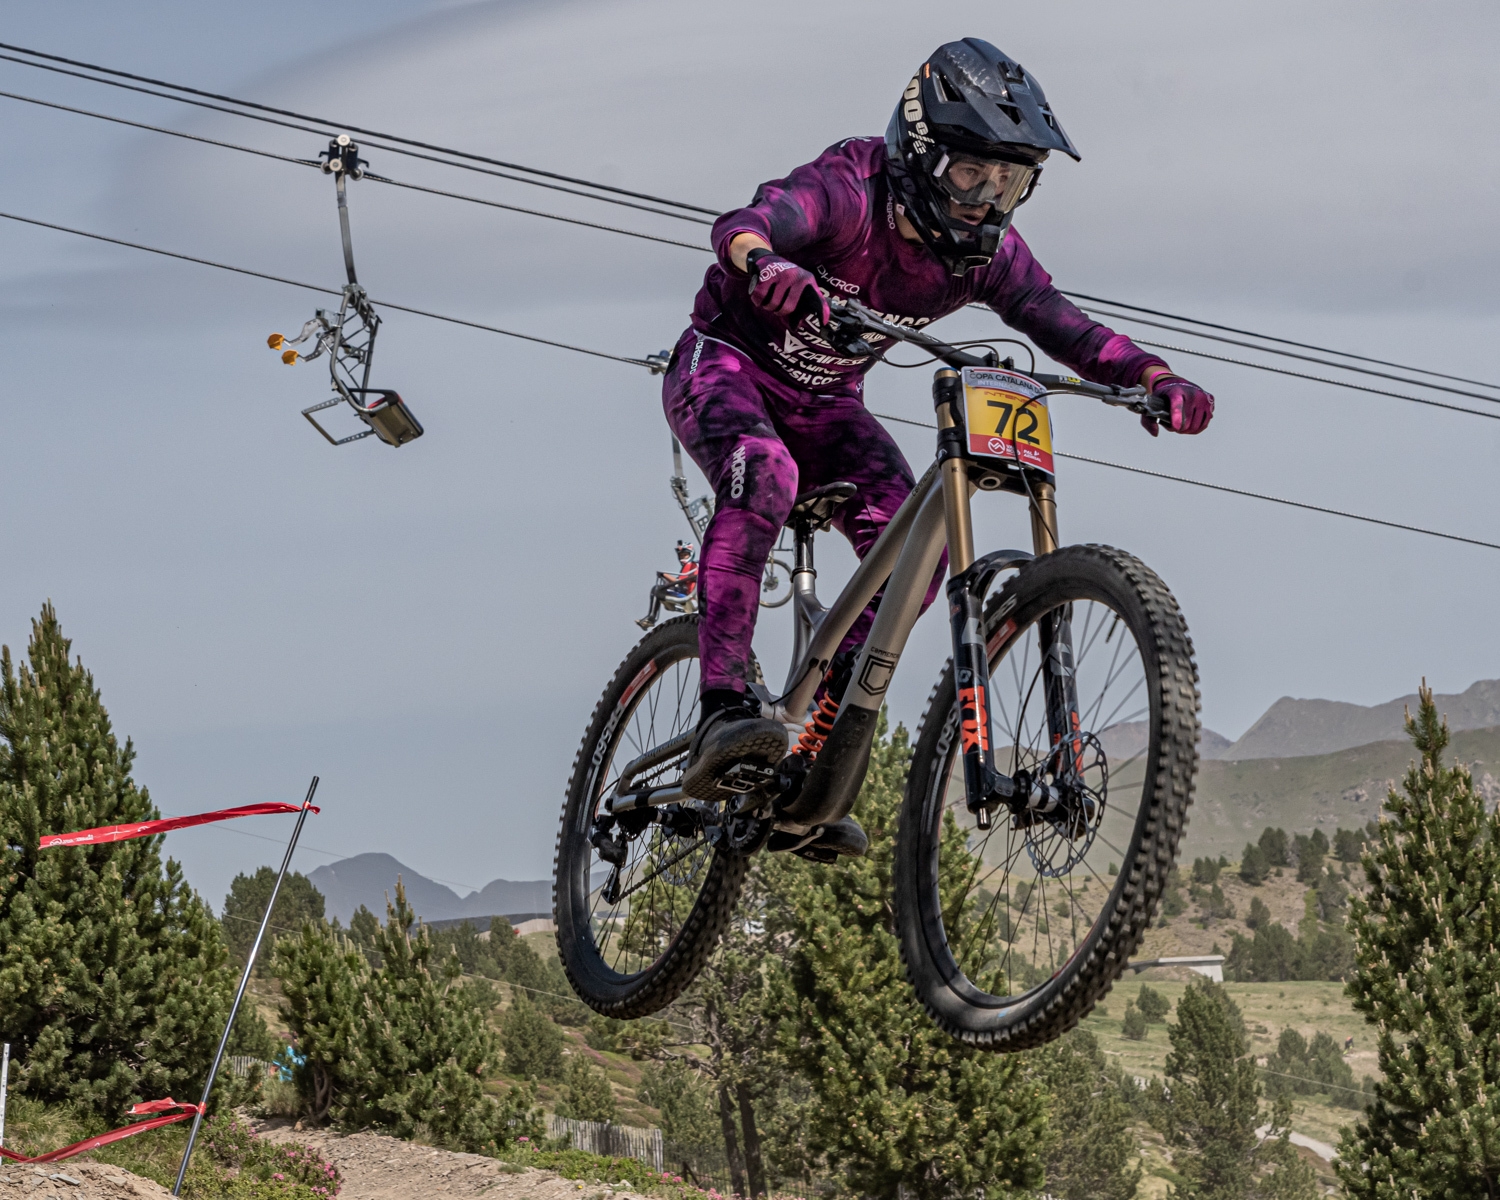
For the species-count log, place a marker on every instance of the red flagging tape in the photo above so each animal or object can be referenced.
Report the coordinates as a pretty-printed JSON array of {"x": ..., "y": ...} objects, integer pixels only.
[
  {"x": 114, "y": 1135},
  {"x": 122, "y": 833}
]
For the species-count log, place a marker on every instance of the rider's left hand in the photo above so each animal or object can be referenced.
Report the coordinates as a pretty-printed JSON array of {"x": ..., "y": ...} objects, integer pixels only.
[{"x": 1192, "y": 407}]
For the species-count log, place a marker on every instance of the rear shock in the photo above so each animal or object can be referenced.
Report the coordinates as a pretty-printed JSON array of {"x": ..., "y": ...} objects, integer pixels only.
[{"x": 820, "y": 723}]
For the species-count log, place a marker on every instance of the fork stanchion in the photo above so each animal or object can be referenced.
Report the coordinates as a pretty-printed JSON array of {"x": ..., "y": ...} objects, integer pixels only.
[{"x": 239, "y": 996}]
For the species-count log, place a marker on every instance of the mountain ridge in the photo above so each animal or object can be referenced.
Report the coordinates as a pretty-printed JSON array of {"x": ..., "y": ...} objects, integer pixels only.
[
  {"x": 1293, "y": 728},
  {"x": 369, "y": 878}
]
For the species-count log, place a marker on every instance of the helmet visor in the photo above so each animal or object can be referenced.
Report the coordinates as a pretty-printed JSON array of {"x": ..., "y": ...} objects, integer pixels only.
[{"x": 971, "y": 180}]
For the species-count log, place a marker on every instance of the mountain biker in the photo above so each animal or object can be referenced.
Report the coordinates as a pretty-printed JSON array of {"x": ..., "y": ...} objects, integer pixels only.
[{"x": 915, "y": 225}]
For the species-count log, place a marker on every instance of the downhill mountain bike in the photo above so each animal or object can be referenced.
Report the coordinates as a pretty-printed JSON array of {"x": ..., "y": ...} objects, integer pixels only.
[{"x": 1050, "y": 777}]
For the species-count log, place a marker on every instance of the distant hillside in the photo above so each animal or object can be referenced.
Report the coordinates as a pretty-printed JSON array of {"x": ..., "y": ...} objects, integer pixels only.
[
  {"x": 1236, "y": 800},
  {"x": 1128, "y": 738},
  {"x": 369, "y": 878},
  {"x": 1306, "y": 727}
]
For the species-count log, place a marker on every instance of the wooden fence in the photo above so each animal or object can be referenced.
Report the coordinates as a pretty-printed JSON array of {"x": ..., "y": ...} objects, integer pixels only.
[{"x": 608, "y": 1139}]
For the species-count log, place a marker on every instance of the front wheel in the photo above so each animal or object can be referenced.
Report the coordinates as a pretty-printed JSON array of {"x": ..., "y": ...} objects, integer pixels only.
[
  {"x": 640, "y": 901},
  {"x": 1011, "y": 934}
]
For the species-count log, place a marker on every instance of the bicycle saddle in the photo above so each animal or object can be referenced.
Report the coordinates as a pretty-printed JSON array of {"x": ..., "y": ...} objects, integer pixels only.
[{"x": 818, "y": 506}]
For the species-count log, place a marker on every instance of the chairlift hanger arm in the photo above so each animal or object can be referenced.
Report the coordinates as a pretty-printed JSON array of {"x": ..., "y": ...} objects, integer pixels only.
[{"x": 342, "y": 161}]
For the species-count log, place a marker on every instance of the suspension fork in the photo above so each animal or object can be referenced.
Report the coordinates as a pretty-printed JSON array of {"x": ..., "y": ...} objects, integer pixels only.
[
  {"x": 968, "y": 580},
  {"x": 985, "y": 786},
  {"x": 1055, "y": 635}
]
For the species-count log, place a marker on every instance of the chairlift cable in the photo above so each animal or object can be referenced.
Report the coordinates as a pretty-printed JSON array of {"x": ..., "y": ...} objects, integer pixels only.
[
  {"x": 534, "y": 212},
  {"x": 1322, "y": 362},
  {"x": 312, "y": 162},
  {"x": 1380, "y": 362},
  {"x": 555, "y": 187},
  {"x": 655, "y": 366},
  {"x": 181, "y": 94},
  {"x": 327, "y": 291},
  {"x": 177, "y": 133},
  {"x": 387, "y": 137},
  {"x": 1233, "y": 491},
  {"x": 1340, "y": 383}
]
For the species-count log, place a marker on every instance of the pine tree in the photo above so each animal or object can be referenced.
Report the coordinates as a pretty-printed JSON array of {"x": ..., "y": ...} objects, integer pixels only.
[
  {"x": 245, "y": 905},
  {"x": 1089, "y": 1139},
  {"x": 1428, "y": 977},
  {"x": 114, "y": 981},
  {"x": 895, "y": 1102},
  {"x": 1211, "y": 1111},
  {"x": 590, "y": 1098},
  {"x": 402, "y": 1048},
  {"x": 533, "y": 1043}
]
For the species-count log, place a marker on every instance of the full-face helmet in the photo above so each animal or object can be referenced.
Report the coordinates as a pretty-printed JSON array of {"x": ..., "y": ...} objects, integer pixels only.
[{"x": 967, "y": 140}]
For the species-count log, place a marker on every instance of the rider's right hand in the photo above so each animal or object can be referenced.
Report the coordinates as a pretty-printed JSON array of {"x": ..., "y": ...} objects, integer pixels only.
[{"x": 780, "y": 286}]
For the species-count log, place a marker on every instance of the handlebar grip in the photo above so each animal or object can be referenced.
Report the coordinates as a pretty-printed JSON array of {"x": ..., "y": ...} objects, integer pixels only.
[{"x": 1159, "y": 409}]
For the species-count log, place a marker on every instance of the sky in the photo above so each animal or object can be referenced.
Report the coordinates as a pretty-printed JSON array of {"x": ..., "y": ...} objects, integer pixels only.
[{"x": 427, "y": 629}]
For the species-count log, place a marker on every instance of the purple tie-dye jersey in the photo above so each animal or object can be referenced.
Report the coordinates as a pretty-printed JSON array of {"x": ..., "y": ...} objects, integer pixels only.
[{"x": 836, "y": 217}]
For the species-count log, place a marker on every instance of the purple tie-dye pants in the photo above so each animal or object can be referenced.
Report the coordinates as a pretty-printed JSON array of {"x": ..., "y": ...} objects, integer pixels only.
[{"x": 761, "y": 441}]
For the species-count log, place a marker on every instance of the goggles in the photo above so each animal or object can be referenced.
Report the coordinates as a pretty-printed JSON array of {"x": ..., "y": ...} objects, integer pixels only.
[{"x": 971, "y": 180}]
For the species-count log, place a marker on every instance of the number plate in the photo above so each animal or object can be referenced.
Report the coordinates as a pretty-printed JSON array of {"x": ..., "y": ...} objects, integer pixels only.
[{"x": 1006, "y": 416}]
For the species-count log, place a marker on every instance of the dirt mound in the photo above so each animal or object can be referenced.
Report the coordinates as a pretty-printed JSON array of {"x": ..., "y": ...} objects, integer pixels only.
[
  {"x": 386, "y": 1168},
  {"x": 76, "y": 1181}
]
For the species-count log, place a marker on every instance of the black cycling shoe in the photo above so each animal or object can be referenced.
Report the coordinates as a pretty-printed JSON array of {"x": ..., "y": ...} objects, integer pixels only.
[
  {"x": 842, "y": 838},
  {"x": 734, "y": 750}
]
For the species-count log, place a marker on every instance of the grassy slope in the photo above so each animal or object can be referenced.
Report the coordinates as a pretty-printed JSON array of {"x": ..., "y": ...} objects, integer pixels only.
[{"x": 1236, "y": 800}]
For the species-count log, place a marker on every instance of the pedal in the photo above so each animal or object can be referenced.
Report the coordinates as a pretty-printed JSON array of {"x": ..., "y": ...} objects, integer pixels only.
[{"x": 745, "y": 777}]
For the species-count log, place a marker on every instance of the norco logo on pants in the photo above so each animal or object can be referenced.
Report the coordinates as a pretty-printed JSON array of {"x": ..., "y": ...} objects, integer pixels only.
[{"x": 737, "y": 473}]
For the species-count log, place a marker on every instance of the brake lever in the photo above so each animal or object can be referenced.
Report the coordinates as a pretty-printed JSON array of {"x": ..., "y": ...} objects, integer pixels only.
[{"x": 1157, "y": 408}]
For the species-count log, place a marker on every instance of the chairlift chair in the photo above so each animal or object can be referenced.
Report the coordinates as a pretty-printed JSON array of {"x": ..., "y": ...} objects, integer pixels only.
[{"x": 348, "y": 338}]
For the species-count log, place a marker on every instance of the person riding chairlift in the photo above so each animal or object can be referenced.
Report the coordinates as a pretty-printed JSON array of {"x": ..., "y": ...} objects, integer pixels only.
[{"x": 916, "y": 225}]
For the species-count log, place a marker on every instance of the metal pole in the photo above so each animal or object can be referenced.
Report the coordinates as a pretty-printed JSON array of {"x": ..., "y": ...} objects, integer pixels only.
[
  {"x": 244, "y": 983},
  {"x": 343, "y": 201},
  {"x": 4, "y": 1082}
]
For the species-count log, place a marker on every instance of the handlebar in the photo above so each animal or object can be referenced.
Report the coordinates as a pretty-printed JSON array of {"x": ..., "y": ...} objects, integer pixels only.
[{"x": 850, "y": 321}]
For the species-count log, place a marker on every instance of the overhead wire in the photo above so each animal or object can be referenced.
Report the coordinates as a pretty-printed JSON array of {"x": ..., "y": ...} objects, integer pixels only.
[
  {"x": 313, "y": 287},
  {"x": 182, "y": 93},
  {"x": 534, "y": 212},
  {"x": 326, "y": 132},
  {"x": 1271, "y": 338},
  {"x": 1323, "y": 362},
  {"x": 271, "y": 115},
  {"x": 1428, "y": 402},
  {"x": 265, "y": 109},
  {"x": 641, "y": 362},
  {"x": 317, "y": 165},
  {"x": 1339, "y": 383},
  {"x": 1087, "y": 297},
  {"x": 1233, "y": 491}
]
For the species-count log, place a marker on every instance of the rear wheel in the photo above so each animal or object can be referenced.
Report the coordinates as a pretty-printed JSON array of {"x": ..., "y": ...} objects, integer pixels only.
[
  {"x": 1011, "y": 934},
  {"x": 640, "y": 901}
]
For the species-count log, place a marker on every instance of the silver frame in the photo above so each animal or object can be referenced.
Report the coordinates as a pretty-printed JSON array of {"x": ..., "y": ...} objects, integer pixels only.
[{"x": 906, "y": 553}]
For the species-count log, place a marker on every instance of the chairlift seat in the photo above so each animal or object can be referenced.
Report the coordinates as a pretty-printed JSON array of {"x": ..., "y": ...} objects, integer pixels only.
[
  {"x": 386, "y": 413},
  {"x": 816, "y": 508}
]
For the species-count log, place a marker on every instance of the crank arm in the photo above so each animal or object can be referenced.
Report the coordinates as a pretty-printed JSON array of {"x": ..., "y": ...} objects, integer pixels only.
[{"x": 645, "y": 798}]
